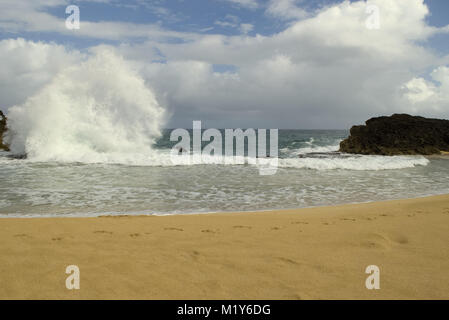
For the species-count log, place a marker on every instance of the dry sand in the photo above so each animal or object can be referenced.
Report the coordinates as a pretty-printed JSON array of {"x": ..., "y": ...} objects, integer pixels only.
[{"x": 295, "y": 254}]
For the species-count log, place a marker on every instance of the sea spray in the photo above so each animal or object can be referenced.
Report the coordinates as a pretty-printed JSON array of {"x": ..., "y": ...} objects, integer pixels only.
[
  {"x": 97, "y": 111},
  {"x": 101, "y": 111}
]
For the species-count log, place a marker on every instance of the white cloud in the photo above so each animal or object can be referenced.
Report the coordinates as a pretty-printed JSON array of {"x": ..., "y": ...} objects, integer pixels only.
[
  {"x": 29, "y": 16},
  {"x": 325, "y": 70},
  {"x": 250, "y": 4},
  {"x": 423, "y": 95},
  {"x": 27, "y": 66},
  {"x": 246, "y": 28},
  {"x": 418, "y": 90},
  {"x": 286, "y": 9},
  {"x": 229, "y": 20}
]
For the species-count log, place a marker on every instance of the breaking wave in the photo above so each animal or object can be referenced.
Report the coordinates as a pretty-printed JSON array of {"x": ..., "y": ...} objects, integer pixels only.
[
  {"x": 99, "y": 111},
  {"x": 359, "y": 163}
]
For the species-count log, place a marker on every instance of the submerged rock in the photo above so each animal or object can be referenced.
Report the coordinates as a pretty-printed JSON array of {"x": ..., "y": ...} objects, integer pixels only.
[
  {"x": 2, "y": 130},
  {"x": 400, "y": 134}
]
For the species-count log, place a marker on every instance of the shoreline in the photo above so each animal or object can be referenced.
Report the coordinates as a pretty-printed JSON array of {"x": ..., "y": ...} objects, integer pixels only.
[
  {"x": 195, "y": 213},
  {"x": 310, "y": 253}
]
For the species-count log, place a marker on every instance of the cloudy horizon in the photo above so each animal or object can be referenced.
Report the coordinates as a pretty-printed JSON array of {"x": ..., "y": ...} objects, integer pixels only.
[{"x": 243, "y": 63}]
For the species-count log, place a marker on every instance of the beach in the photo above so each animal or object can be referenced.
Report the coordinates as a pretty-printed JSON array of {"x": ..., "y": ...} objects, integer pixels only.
[{"x": 312, "y": 253}]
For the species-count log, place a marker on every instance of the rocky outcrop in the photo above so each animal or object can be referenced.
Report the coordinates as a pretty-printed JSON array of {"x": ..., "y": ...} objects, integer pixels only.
[
  {"x": 400, "y": 134},
  {"x": 2, "y": 130}
]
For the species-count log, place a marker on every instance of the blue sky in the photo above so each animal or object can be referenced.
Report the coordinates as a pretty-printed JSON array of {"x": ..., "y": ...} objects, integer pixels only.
[
  {"x": 238, "y": 62},
  {"x": 200, "y": 16}
]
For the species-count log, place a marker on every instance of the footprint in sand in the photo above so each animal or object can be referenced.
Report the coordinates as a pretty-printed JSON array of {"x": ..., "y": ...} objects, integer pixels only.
[
  {"x": 299, "y": 222},
  {"x": 209, "y": 231},
  {"x": 173, "y": 229},
  {"x": 134, "y": 235},
  {"x": 103, "y": 232},
  {"x": 288, "y": 261},
  {"x": 376, "y": 241},
  {"x": 56, "y": 239},
  {"x": 22, "y": 235},
  {"x": 348, "y": 219},
  {"x": 195, "y": 255},
  {"x": 381, "y": 241},
  {"x": 242, "y": 227},
  {"x": 399, "y": 238}
]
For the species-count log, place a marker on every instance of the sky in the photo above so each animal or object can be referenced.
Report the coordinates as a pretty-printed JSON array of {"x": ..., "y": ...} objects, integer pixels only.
[{"x": 302, "y": 64}]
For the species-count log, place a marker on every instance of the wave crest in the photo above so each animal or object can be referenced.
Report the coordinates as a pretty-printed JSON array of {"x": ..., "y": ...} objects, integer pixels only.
[
  {"x": 361, "y": 163},
  {"x": 97, "y": 111}
]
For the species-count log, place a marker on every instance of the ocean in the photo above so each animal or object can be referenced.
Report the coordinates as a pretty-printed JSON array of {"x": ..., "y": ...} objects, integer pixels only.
[{"x": 311, "y": 172}]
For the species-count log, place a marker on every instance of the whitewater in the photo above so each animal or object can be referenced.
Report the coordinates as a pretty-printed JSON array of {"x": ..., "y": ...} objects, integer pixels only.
[
  {"x": 91, "y": 142},
  {"x": 99, "y": 111}
]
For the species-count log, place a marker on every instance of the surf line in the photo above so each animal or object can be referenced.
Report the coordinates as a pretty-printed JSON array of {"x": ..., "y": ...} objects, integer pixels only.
[{"x": 189, "y": 149}]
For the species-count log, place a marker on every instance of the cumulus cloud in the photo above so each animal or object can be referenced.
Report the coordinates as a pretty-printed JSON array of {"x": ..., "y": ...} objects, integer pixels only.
[
  {"x": 323, "y": 71},
  {"x": 27, "y": 66},
  {"x": 328, "y": 70},
  {"x": 429, "y": 95}
]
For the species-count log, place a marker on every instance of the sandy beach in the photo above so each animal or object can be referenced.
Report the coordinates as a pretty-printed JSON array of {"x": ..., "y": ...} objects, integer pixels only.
[{"x": 316, "y": 253}]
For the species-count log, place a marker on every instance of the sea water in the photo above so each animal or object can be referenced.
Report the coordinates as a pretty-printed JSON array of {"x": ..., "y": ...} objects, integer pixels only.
[
  {"x": 91, "y": 143},
  {"x": 311, "y": 173}
]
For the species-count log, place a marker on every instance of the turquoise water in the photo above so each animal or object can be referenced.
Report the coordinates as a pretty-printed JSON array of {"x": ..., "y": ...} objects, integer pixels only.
[{"x": 311, "y": 173}]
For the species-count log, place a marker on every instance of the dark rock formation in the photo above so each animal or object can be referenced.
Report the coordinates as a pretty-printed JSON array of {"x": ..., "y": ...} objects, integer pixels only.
[
  {"x": 2, "y": 130},
  {"x": 400, "y": 134}
]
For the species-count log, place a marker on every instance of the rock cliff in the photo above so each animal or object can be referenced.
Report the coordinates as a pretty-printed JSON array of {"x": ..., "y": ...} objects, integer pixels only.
[
  {"x": 2, "y": 130},
  {"x": 400, "y": 134}
]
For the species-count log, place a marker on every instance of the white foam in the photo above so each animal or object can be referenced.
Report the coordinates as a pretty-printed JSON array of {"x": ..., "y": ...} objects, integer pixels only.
[
  {"x": 355, "y": 163},
  {"x": 311, "y": 147},
  {"x": 99, "y": 111},
  {"x": 318, "y": 149}
]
